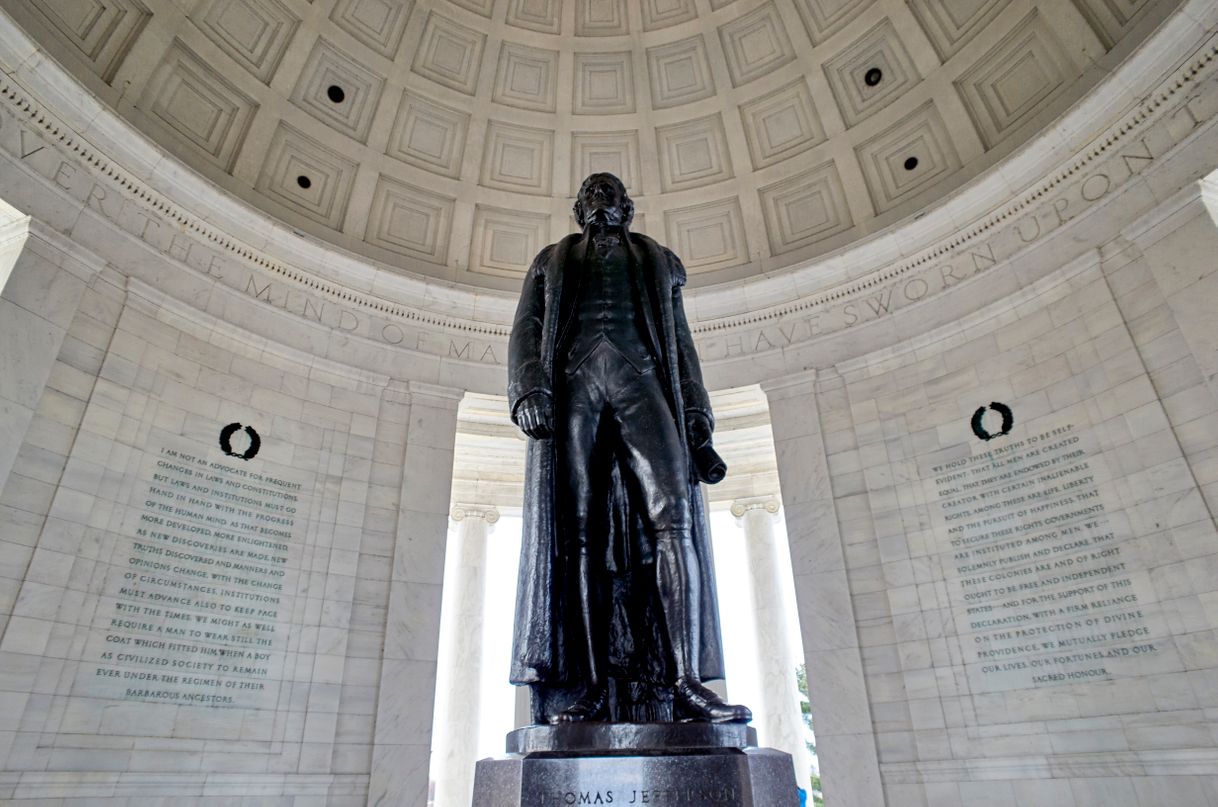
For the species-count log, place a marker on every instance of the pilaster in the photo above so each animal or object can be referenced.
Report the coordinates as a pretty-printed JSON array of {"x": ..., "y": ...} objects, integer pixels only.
[
  {"x": 42, "y": 278},
  {"x": 1164, "y": 281},
  {"x": 402, "y": 744},
  {"x": 841, "y": 713}
]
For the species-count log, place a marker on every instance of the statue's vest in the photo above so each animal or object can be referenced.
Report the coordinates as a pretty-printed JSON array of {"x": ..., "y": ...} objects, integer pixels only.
[{"x": 607, "y": 308}]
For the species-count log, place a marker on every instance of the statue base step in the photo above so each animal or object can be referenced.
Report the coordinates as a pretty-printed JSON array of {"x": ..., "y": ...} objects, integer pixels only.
[
  {"x": 601, "y": 739},
  {"x": 689, "y": 764}
]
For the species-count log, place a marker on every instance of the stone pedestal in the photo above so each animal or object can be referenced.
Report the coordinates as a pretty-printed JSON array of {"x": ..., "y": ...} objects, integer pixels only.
[{"x": 628, "y": 764}]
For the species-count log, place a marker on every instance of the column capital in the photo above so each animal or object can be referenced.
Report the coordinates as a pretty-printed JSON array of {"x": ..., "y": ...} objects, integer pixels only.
[
  {"x": 434, "y": 394},
  {"x": 487, "y": 512},
  {"x": 769, "y": 503},
  {"x": 54, "y": 246},
  {"x": 1195, "y": 198},
  {"x": 396, "y": 391},
  {"x": 800, "y": 383}
]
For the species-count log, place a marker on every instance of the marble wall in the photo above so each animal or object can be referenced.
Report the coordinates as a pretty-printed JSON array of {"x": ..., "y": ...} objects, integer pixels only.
[
  {"x": 1033, "y": 611},
  {"x": 1002, "y": 529},
  {"x": 182, "y": 617}
]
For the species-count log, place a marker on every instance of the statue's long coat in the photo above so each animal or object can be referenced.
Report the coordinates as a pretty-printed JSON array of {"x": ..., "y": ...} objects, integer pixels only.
[{"x": 546, "y": 600}]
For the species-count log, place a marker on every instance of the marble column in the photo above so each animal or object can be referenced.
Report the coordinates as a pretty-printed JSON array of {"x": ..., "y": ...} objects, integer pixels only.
[
  {"x": 406, "y": 696},
  {"x": 455, "y": 749},
  {"x": 43, "y": 276},
  {"x": 841, "y": 712},
  {"x": 781, "y": 725}
]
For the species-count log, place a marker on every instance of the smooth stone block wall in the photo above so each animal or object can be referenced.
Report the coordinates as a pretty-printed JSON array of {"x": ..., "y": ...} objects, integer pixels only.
[
  {"x": 206, "y": 528},
  {"x": 1027, "y": 550}
]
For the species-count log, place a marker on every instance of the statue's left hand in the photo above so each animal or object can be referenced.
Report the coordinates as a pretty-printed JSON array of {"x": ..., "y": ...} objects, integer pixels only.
[
  {"x": 697, "y": 429},
  {"x": 536, "y": 416}
]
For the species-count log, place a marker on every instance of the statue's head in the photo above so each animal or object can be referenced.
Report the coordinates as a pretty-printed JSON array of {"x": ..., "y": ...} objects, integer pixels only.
[{"x": 602, "y": 200}]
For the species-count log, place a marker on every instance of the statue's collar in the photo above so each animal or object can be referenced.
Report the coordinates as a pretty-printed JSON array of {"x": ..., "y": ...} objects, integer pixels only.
[
  {"x": 602, "y": 241},
  {"x": 605, "y": 237}
]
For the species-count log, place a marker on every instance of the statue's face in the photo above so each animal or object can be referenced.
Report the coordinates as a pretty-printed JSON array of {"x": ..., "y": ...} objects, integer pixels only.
[{"x": 603, "y": 199}]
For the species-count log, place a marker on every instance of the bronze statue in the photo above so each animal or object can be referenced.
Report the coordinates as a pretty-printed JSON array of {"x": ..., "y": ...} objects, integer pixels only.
[{"x": 616, "y": 618}]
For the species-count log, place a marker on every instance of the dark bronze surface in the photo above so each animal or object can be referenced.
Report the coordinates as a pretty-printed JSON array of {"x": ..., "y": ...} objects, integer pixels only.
[
  {"x": 640, "y": 738},
  {"x": 616, "y": 617},
  {"x": 712, "y": 778}
]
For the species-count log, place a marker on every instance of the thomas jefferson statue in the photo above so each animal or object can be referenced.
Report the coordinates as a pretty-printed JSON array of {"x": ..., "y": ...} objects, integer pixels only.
[{"x": 616, "y": 618}]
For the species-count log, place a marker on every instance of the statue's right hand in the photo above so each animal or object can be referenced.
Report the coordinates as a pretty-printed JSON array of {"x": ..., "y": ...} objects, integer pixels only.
[{"x": 535, "y": 416}]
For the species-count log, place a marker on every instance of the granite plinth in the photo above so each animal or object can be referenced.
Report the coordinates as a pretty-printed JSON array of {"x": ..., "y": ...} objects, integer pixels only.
[
  {"x": 692, "y": 764},
  {"x": 756, "y": 777}
]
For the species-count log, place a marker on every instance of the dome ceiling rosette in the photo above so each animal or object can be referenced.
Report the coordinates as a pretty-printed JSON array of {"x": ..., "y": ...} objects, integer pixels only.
[{"x": 446, "y": 138}]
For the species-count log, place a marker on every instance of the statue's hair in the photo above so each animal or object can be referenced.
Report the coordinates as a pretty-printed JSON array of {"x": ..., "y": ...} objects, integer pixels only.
[{"x": 627, "y": 203}]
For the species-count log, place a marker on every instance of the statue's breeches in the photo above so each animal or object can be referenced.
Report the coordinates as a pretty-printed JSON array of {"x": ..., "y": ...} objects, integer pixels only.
[{"x": 616, "y": 410}]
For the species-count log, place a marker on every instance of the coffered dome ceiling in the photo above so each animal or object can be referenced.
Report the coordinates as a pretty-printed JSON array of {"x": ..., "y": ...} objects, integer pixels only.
[{"x": 446, "y": 138}]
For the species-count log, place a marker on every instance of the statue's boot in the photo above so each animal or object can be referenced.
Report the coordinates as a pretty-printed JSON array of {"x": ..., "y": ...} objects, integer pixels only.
[
  {"x": 594, "y": 705},
  {"x": 678, "y": 584},
  {"x": 694, "y": 702}
]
